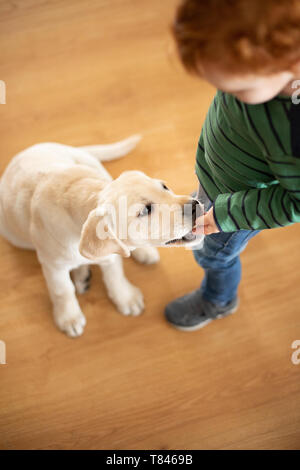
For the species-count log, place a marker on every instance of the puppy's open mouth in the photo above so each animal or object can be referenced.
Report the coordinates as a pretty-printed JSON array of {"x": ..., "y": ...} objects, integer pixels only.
[{"x": 187, "y": 238}]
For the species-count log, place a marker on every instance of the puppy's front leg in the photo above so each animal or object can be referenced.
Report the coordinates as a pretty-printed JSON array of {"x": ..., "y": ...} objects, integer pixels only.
[
  {"x": 66, "y": 310},
  {"x": 127, "y": 298}
]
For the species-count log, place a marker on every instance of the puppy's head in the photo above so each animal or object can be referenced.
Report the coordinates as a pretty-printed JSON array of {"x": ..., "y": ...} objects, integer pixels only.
[{"x": 135, "y": 210}]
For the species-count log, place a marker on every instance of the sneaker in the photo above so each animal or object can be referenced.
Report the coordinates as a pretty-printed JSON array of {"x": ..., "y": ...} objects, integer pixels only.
[{"x": 192, "y": 312}]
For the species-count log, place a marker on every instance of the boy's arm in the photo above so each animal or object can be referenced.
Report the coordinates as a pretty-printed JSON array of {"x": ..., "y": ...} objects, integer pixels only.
[{"x": 258, "y": 209}]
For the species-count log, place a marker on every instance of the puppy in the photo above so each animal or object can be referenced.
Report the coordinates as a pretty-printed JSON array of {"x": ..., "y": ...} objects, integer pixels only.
[{"x": 61, "y": 202}]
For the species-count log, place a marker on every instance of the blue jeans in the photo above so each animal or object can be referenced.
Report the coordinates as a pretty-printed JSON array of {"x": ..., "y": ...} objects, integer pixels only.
[{"x": 219, "y": 257}]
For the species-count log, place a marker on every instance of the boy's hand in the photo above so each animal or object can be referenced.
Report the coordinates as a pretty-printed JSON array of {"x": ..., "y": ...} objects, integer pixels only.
[{"x": 206, "y": 224}]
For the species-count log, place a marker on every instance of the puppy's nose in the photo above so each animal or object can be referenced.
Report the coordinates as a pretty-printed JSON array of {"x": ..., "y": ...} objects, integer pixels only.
[
  {"x": 196, "y": 210},
  {"x": 193, "y": 210}
]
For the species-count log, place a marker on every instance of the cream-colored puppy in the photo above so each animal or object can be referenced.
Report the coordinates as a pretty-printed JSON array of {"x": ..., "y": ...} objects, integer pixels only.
[{"x": 60, "y": 201}]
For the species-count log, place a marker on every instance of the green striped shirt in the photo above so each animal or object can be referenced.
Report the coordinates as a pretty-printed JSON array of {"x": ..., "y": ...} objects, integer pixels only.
[{"x": 248, "y": 163}]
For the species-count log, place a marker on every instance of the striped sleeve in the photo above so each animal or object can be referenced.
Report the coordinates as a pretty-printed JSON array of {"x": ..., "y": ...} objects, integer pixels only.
[{"x": 274, "y": 206}]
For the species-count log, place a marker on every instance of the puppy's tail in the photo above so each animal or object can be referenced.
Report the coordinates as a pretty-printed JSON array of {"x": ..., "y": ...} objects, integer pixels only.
[{"x": 113, "y": 151}]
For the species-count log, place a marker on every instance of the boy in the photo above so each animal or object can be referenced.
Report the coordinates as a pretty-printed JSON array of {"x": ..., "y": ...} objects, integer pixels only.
[{"x": 248, "y": 157}]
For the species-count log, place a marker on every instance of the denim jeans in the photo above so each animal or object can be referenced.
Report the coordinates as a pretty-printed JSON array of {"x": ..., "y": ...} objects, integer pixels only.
[{"x": 219, "y": 257}]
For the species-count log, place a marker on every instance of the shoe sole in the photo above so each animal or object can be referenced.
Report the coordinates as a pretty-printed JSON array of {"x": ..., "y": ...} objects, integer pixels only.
[{"x": 206, "y": 322}]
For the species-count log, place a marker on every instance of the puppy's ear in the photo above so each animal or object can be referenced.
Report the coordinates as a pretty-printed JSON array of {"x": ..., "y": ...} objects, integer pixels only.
[{"x": 98, "y": 237}]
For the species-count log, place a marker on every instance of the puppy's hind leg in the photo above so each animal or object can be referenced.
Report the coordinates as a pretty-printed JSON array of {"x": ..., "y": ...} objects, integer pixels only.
[
  {"x": 146, "y": 255},
  {"x": 82, "y": 278}
]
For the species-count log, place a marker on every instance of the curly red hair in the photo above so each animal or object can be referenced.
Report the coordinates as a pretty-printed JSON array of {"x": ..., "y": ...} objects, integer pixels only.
[{"x": 258, "y": 36}]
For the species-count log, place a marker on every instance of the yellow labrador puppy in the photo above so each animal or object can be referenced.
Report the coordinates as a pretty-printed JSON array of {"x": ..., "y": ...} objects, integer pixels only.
[{"x": 60, "y": 201}]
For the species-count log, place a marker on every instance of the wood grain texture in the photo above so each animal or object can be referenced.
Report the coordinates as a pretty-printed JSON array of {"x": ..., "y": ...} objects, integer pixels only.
[{"x": 94, "y": 72}]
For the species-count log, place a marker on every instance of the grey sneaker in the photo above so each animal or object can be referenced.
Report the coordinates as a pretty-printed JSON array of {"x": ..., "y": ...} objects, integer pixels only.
[{"x": 192, "y": 312}]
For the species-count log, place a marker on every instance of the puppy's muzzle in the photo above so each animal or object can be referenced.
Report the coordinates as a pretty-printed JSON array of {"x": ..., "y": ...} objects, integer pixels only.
[
  {"x": 197, "y": 211},
  {"x": 191, "y": 212}
]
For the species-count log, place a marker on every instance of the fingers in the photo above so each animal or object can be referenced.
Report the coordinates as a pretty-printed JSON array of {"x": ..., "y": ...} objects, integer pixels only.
[
  {"x": 205, "y": 225},
  {"x": 200, "y": 220},
  {"x": 200, "y": 224},
  {"x": 208, "y": 230},
  {"x": 199, "y": 230},
  {"x": 204, "y": 230}
]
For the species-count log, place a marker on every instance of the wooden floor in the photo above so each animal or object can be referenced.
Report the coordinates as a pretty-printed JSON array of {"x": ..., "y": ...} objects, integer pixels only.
[{"x": 94, "y": 72}]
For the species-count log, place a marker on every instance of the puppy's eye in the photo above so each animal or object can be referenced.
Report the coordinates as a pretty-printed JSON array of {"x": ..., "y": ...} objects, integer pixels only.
[
  {"x": 165, "y": 187},
  {"x": 146, "y": 211}
]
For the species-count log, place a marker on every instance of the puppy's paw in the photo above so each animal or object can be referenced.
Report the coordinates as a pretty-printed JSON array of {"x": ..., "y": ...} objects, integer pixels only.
[
  {"x": 130, "y": 300},
  {"x": 146, "y": 255},
  {"x": 71, "y": 325}
]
